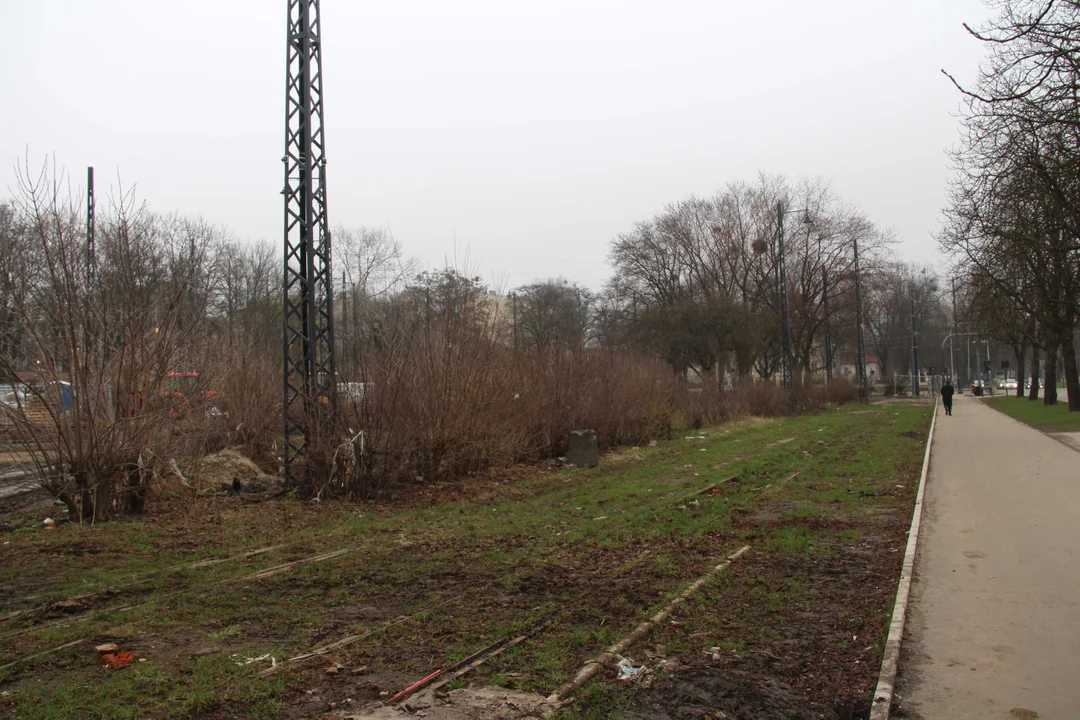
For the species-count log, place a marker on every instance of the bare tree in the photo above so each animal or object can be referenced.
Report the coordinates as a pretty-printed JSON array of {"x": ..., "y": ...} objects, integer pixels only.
[
  {"x": 104, "y": 331},
  {"x": 1015, "y": 206}
]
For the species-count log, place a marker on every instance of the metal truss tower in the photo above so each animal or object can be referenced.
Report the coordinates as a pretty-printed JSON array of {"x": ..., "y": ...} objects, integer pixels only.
[{"x": 310, "y": 381}]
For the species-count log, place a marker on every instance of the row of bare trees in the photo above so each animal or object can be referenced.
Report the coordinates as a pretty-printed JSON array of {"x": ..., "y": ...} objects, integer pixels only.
[
  {"x": 162, "y": 341},
  {"x": 1014, "y": 213},
  {"x": 698, "y": 284}
]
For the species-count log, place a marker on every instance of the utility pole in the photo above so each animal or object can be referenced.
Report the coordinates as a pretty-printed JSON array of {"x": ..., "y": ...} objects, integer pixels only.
[
  {"x": 310, "y": 389},
  {"x": 828, "y": 342},
  {"x": 344, "y": 327},
  {"x": 968, "y": 379},
  {"x": 91, "y": 250},
  {"x": 513, "y": 298},
  {"x": 784, "y": 320},
  {"x": 860, "y": 348},
  {"x": 914, "y": 347},
  {"x": 952, "y": 348}
]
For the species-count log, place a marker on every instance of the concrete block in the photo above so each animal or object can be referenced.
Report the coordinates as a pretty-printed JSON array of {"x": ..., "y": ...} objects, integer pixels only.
[{"x": 583, "y": 449}]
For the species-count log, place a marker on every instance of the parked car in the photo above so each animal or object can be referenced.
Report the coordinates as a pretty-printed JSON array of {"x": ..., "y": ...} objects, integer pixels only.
[{"x": 1008, "y": 384}]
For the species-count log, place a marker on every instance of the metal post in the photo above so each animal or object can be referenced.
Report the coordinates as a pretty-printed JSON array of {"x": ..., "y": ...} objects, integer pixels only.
[
  {"x": 914, "y": 347},
  {"x": 310, "y": 395},
  {"x": 344, "y": 328},
  {"x": 828, "y": 342},
  {"x": 784, "y": 320},
  {"x": 513, "y": 297},
  {"x": 91, "y": 250},
  {"x": 860, "y": 348},
  {"x": 967, "y": 380},
  {"x": 952, "y": 349}
]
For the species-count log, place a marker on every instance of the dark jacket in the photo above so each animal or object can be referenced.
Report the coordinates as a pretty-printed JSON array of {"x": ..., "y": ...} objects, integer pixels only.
[{"x": 946, "y": 392}]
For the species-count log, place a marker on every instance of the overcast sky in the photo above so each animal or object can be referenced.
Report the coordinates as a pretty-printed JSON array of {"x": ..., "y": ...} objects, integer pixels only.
[{"x": 534, "y": 132}]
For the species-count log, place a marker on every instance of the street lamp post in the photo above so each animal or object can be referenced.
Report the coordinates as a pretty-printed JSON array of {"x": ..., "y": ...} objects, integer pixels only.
[
  {"x": 860, "y": 348},
  {"x": 952, "y": 346},
  {"x": 785, "y": 321},
  {"x": 828, "y": 343},
  {"x": 914, "y": 348},
  {"x": 915, "y": 368}
]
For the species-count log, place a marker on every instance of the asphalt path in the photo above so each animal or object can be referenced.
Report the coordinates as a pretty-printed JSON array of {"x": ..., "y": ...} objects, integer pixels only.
[{"x": 994, "y": 623}]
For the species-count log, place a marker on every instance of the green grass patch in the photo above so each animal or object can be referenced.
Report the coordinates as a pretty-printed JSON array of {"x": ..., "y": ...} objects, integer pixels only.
[
  {"x": 1048, "y": 418},
  {"x": 592, "y": 552}
]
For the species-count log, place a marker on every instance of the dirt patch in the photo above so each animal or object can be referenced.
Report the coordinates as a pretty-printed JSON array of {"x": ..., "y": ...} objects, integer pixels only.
[
  {"x": 221, "y": 467},
  {"x": 490, "y": 703},
  {"x": 707, "y": 692}
]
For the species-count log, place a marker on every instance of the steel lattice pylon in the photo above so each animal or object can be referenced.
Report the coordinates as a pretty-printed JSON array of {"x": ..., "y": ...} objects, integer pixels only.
[{"x": 310, "y": 381}]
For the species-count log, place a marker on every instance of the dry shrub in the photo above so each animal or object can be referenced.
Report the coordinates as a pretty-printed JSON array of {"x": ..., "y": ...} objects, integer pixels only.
[
  {"x": 626, "y": 398},
  {"x": 442, "y": 394},
  {"x": 104, "y": 334},
  {"x": 250, "y": 385}
]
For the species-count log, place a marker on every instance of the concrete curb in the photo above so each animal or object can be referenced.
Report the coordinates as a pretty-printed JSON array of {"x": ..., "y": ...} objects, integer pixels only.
[{"x": 890, "y": 662}]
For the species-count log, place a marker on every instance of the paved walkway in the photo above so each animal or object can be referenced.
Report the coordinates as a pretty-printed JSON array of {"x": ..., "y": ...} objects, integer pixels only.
[{"x": 994, "y": 621}]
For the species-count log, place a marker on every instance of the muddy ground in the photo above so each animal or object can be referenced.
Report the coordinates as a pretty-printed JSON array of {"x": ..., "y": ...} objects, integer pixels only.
[{"x": 792, "y": 629}]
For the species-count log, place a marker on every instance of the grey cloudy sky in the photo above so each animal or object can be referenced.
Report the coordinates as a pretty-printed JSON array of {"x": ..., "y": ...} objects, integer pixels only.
[{"x": 535, "y": 132}]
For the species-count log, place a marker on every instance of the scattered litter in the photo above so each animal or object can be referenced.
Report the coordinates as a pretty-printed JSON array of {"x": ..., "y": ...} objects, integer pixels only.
[
  {"x": 106, "y": 648},
  {"x": 49, "y": 523},
  {"x": 602, "y": 517},
  {"x": 696, "y": 437},
  {"x": 248, "y": 661},
  {"x": 629, "y": 673},
  {"x": 118, "y": 660},
  {"x": 652, "y": 443}
]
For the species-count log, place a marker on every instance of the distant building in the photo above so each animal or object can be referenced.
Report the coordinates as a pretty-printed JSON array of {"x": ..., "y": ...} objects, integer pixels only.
[{"x": 848, "y": 367}]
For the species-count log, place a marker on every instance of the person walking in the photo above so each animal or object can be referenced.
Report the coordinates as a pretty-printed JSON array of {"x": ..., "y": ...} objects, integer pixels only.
[{"x": 946, "y": 396}]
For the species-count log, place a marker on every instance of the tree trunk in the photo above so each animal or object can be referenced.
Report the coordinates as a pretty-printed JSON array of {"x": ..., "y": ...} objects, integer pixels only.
[
  {"x": 1033, "y": 391},
  {"x": 1050, "y": 381},
  {"x": 1072, "y": 377},
  {"x": 1021, "y": 368}
]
